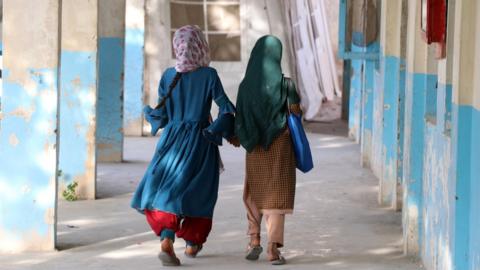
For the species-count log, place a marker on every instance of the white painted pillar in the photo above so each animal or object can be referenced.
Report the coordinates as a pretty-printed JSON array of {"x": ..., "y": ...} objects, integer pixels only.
[
  {"x": 78, "y": 97},
  {"x": 28, "y": 138}
]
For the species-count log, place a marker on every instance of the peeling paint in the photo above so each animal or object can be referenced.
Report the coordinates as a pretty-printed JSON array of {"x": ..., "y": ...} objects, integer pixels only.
[
  {"x": 439, "y": 200},
  {"x": 25, "y": 113},
  {"x": 77, "y": 122},
  {"x": 413, "y": 163},
  {"x": 13, "y": 140},
  {"x": 28, "y": 186}
]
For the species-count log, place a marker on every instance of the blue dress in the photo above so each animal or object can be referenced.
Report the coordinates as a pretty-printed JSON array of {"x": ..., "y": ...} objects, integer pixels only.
[{"x": 182, "y": 177}]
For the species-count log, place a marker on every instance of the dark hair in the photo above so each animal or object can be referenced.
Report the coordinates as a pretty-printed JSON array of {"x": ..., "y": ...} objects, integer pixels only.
[{"x": 170, "y": 90}]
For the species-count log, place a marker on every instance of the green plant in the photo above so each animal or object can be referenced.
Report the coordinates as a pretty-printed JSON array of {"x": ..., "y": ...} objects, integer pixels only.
[{"x": 70, "y": 194}]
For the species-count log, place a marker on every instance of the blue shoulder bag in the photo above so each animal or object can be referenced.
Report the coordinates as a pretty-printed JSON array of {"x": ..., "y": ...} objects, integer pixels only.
[{"x": 303, "y": 154}]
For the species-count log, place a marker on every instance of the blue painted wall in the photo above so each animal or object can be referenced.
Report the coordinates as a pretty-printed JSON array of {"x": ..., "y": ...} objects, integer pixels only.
[
  {"x": 475, "y": 191},
  {"x": 28, "y": 161},
  {"x": 461, "y": 160},
  {"x": 77, "y": 121},
  {"x": 466, "y": 157},
  {"x": 133, "y": 90},
  {"x": 439, "y": 186},
  {"x": 110, "y": 99}
]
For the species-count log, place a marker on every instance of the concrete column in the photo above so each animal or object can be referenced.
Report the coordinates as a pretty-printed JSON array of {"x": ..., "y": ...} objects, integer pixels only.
[
  {"x": 355, "y": 97},
  {"x": 134, "y": 67},
  {"x": 28, "y": 138},
  {"x": 465, "y": 134},
  {"x": 438, "y": 197},
  {"x": 390, "y": 63},
  {"x": 414, "y": 131},
  {"x": 110, "y": 80},
  {"x": 475, "y": 156},
  {"x": 365, "y": 39},
  {"x": 78, "y": 96},
  {"x": 368, "y": 86}
]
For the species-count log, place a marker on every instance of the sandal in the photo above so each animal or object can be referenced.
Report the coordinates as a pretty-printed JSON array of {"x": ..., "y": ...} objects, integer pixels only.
[
  {"x": 279, "y": 259},
  {"x": 168, "y": 259},
  {"x": 253, "y": 252},
  {"x": 193, "y": 254}
]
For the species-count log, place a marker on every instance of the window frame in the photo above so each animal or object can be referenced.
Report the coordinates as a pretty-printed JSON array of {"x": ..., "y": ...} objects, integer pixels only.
[{"x": 206, "y": 31}]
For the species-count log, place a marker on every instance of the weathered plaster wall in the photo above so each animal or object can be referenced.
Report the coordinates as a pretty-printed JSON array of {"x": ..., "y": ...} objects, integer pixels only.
[
  {"x": 28, "y": 139},
  {"x": 437, "y": 165},
  {"x": 77, "y": 121}
]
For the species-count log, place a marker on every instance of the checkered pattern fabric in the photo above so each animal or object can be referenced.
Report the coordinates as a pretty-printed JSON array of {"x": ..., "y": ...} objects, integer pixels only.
[{"x": 270, "y": 175}]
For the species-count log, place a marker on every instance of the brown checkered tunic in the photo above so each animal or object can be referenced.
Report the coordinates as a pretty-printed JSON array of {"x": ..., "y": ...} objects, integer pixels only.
[{"x": 270, "y": 175}]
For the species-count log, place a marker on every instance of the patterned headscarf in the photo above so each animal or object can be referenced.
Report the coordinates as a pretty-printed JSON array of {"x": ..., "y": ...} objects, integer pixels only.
[{"x": 191, "y": 48}]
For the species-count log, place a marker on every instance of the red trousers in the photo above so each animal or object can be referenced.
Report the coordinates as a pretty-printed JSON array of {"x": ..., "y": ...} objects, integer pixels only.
[{"x": 192, "y": 229}]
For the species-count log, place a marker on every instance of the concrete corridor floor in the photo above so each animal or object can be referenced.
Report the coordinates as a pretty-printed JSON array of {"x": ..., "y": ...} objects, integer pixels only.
[{"x": 337, "y": 223}]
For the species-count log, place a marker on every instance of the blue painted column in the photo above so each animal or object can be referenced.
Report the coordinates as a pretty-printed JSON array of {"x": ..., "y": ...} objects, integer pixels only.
[
  {"x": 355, "y": 100},
  {"x": 388, "y": 183},
  {"x": 414, "y": 133},
  {"x": 78, "y": 97},
  {"x": 377, "y": 125},
  {"x": 367, "y": 105},
  {"x": 415, "y": 101},
  {"x": 109, "y": 133},
  {"x": 392, "y": 72},
  {"x": 134, "y": 67},
  {"x": 28, "y": 138}
]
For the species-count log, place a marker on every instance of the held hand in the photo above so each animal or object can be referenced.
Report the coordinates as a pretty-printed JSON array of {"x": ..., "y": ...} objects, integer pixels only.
[{"x": 234, "y": 141}]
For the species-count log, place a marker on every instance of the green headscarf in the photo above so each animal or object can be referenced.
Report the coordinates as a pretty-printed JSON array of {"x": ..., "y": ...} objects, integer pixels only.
[{"x": 261, "y": 111}]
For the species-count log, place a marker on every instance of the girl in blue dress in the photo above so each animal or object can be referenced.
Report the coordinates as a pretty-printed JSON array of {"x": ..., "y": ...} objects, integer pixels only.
[{"x": 179, "y": 190}]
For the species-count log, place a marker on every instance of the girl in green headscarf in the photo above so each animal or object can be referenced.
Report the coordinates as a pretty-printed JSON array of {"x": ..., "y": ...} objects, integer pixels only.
[{"x": 261, "y": 127}]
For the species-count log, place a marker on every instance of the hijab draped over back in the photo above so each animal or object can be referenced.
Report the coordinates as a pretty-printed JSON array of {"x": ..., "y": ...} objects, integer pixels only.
[
  {"x": 261, "y": 109},
  {"x": 191, "y": 49}
]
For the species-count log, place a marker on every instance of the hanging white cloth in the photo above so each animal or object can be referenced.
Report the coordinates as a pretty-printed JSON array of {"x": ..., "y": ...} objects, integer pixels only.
[{"x": 315, "y": 60}]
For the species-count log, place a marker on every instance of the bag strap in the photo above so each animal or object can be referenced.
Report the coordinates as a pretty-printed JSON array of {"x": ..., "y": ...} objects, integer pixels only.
[{"x": 288, "y": 84}]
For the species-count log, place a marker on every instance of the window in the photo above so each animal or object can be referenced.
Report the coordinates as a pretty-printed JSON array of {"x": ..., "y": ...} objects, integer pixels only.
[{"x": 218, "y": 19}]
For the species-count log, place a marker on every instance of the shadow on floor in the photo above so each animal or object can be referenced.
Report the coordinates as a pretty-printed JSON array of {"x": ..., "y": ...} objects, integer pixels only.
[{"x": 335, "y": 128}]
